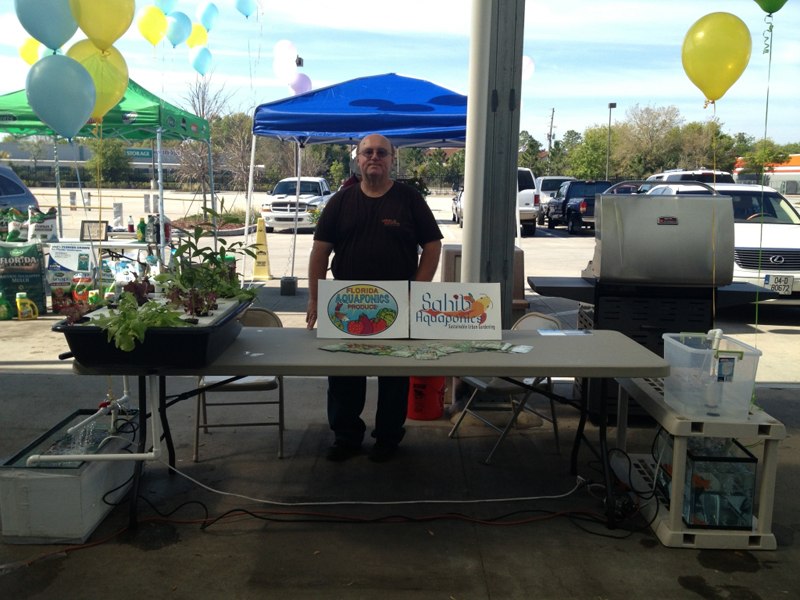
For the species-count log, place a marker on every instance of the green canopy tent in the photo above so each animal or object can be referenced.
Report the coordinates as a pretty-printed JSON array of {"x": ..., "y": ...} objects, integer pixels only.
[{"x": 140, "y": 115}]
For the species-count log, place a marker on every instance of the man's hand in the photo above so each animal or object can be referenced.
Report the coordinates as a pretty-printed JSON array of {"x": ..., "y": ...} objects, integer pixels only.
[{"x": 311, "y": 314}]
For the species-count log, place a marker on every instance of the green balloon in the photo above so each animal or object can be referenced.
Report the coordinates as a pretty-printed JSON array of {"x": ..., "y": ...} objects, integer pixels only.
[{"x": 771, "y": 6}]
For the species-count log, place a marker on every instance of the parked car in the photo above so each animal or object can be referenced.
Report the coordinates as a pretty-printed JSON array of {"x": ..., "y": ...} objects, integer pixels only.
[
  {"x": 458, "y": 208},
  {"x": 14, "y": 193},
  {"x": 766, "y": 234},
  {"x": 528, "y": 205},
  {"x": 573, "y": 204},
  {"x": 684, "y": 175},
  {"x": 547, "y": 186},
  {"x": 282, "y": 205}
]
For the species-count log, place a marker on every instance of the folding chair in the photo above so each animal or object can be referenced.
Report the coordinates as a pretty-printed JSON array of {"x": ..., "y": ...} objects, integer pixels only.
[
  {"x": 252, "y": 317},
  {"x": 518, "y": 396}
]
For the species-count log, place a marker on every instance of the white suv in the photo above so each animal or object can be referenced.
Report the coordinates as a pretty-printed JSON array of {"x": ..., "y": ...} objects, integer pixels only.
[
  {"x": 281, "y": 209},
  {"x": 766, "y": 235}
]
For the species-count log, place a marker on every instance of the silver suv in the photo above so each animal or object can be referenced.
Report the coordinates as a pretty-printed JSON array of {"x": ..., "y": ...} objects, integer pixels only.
[{"x": 282, "y": 207}]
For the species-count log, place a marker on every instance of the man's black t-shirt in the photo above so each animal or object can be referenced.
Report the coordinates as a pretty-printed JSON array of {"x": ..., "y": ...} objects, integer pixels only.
[{"x": 376, "y": 238}]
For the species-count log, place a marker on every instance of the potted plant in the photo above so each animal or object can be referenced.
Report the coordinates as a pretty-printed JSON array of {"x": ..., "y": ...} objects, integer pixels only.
[{"x": 199, "y": 275}]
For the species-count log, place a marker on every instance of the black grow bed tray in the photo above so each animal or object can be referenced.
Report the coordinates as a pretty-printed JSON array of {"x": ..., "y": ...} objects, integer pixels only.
[{"x": 163, "y": 347}]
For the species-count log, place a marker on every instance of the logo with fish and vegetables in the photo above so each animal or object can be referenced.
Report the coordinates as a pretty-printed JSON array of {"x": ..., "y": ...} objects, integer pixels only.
[
  {"x": 459, "y": 307},
  {"x": 362, "y": 310}
]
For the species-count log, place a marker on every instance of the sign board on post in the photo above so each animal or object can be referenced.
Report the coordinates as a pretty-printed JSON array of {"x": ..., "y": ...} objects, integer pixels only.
[
  {"x": 139, "y": 153},
  {"x": 463, "y": 311},
  {"x": 362, "y": 309}
]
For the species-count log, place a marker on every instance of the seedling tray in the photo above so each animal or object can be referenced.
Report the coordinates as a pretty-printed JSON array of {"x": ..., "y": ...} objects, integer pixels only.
[{"x": 163, "y": 347}]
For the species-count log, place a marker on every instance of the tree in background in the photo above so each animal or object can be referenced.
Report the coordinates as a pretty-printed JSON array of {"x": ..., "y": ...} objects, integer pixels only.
[
  {"x": 34, "y": 146},
  {"x": 193, "y": 166},
  {"x": 763, "y": 154},
  {"x": 109, "y": 162},
  {"x": 232, "y": 141},
  {"x": 558, "y": 158},
  {"x": 531, "y": 154},
  {"x": 649, "y": 140},
  {"x": 588, "y": 159}
]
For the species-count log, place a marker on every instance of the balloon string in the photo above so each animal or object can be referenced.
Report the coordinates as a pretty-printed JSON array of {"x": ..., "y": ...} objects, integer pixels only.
[
  {"x": 767, "y": 34},
  {"x": 768, "y": 51}
]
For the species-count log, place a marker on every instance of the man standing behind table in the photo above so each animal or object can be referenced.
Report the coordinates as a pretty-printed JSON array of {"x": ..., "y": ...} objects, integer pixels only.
[{"x": 374, "y": 230}]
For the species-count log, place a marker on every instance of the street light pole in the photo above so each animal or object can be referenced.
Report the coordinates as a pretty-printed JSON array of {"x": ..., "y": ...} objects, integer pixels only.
[{"x": 608, "y": 143}]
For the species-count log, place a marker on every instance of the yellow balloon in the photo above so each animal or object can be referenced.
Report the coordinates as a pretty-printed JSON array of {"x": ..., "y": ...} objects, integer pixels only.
[
  {"x": 109, "y": 72},
  {"x": 152, "y": 24},
  {"x": 715, "y": 53},
  {"x": 29, "y": 51},
  {"x": 198, "y": 37},
  {"x": 103, "y": 22}
]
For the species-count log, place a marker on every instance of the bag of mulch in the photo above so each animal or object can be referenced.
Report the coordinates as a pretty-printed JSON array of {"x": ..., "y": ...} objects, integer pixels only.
[
  {"x": 42, "y": 225},
  {"x": 17, "y": 226}
]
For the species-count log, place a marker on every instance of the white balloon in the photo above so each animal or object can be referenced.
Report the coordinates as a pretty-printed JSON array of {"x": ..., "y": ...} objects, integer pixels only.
[
  {"x": 284, "y": 50},
  {"x": 285, "y": 70},
  {"x": 527, "y": 67}
]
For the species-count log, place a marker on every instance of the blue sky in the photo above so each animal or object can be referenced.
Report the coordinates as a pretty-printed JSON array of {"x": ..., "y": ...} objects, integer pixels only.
[{"x": 586, "y": 53}]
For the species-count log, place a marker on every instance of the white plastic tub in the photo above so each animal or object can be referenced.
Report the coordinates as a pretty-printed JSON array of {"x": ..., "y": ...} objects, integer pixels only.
[{"x": 707, "y": 381}]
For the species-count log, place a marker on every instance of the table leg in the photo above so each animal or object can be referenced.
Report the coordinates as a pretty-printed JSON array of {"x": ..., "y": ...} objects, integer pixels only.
[
  {"x": 579, "y": 434},
  {"x": 137, "y": 468},
  {"x": 604, "y": 460},
  {"x": 162, "y": 412}
]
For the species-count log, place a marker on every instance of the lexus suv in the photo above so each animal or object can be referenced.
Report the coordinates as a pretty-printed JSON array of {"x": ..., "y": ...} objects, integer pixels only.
[
  {"x": 766, "y": 235},
  {"x": 282, "y": 207}
]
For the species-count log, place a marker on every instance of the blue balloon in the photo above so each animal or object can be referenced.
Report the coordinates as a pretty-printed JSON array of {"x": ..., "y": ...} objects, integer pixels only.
[
  {"x": 200, "y": 58},
  {"x": 207, "y": 15},
  {"x": 166, "y": 6},
  {"x": 48, "y": 21},
  {"x": 179, "y": 28},
  {"x": 246, "y": 7},
  {"x": 62, "y": 94}
]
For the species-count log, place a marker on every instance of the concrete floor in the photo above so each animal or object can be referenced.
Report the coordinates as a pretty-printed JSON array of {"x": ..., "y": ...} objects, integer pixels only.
[{"x": 434, "y": 523}]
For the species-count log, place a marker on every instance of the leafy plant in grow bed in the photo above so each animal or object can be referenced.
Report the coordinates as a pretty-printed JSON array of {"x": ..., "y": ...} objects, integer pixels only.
[
  {"x": 198, "y": 275},
  {"x": 128, "y": 324}
]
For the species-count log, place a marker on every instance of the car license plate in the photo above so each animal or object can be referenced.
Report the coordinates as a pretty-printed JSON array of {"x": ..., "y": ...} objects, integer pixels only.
[{"x": 782, "y": 284}]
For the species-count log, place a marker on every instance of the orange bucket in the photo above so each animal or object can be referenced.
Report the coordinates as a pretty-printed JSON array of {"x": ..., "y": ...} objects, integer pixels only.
[{"x": 426, "y": 398}]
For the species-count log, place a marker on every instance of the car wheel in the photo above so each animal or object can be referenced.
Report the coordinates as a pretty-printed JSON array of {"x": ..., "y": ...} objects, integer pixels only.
[
  {"x": 551, "y": 224},
  {"x": 528, "y": 229},
  {"x": 573, "y": 225},
  {"x": 269, "y": 229},
  {"x": 455, "y": 218},
  {"x": 461, "y": 223},
  {"x": 540, "y": 219}
]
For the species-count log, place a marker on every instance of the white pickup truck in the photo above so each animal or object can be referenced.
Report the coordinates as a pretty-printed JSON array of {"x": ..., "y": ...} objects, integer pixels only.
[
  {"x": 281, "y": 208},
  {"x": 527, "y": 202}
]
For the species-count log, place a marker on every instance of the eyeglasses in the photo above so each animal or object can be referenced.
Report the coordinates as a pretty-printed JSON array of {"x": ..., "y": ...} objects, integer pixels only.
[{"x": 370, "y": 152}]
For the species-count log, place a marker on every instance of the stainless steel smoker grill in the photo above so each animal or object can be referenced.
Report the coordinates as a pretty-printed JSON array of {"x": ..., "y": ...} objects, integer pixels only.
[{"x": 657, "y": 263}]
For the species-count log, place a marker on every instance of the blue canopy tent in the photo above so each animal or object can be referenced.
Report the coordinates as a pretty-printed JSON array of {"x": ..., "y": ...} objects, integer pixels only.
[{"x": 408, "y": 111}]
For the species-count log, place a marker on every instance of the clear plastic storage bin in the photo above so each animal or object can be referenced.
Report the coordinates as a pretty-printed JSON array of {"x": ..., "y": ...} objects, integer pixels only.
[{"x": 707, "y": 381}]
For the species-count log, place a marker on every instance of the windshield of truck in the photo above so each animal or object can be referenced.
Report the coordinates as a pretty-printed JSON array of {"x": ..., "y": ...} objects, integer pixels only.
[
  {"x": 588, "y": 189},
  {"x": 551, "y": 185},
  {"x": 290, "y": 187}
]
